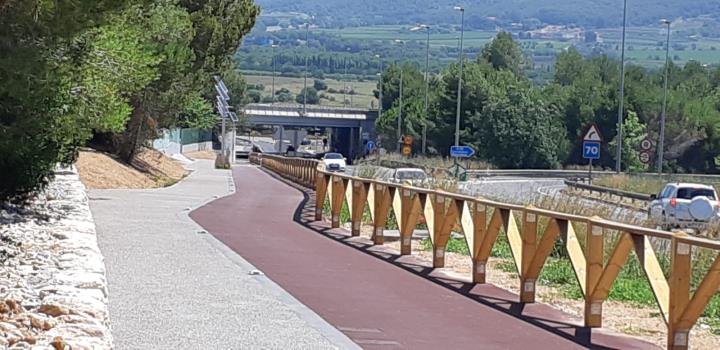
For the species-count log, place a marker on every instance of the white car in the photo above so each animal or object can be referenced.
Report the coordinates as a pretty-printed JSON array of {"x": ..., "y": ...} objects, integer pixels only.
[
  {"x": 334, "y": 162},
  {"x": 412, "y": 176},
  {"x": 684, "y": 205}
]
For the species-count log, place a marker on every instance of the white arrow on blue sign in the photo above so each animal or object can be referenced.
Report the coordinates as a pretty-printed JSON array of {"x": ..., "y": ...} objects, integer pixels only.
[
  {"x": 591, "y": 150},
  {"x": 461, "y": 151},
  {"x": 370, "y": 146}
]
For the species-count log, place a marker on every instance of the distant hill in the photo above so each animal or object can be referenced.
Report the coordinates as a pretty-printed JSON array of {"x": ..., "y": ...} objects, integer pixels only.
[{"x": 588, "y": 13}]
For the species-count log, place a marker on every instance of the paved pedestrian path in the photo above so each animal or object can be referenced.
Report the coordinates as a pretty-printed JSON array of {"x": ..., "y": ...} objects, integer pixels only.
[
  {"x": 372, "y": 296},
  {"x": 174, "y": 287}
]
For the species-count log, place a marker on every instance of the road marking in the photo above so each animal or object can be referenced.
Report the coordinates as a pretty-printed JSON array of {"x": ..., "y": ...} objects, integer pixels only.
[{"x": 360, "y": 330}]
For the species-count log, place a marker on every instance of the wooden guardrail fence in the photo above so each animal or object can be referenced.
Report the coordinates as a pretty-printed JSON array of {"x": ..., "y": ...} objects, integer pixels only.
[{"x": 531, "y": 232}]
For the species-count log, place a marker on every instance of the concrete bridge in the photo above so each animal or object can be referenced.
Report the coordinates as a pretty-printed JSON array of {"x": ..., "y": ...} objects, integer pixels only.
[{"x": 350, "y": 126}]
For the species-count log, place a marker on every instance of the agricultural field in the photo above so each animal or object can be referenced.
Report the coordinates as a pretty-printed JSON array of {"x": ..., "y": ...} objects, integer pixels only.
[
  {"x": 363, "y": 97},
  {"x": 644, "y": 45}
]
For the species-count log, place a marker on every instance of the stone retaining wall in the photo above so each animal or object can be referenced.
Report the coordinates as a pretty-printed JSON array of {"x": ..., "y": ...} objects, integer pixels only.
[{"x": 53, "y": 291}]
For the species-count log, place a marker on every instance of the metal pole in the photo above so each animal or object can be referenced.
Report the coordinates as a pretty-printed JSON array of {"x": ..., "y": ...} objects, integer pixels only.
[
  {"x": 459, "y": 92},
  {"x": 307, "y": 44},
  {"x": 222, "y": 131},
  {"x": 380, "y": 97},
  {"x": 345, "y": 83},
  {"x": 273, "y": 77},
  {"x": 618, "y": 155},
  {"x": 427, "y": 87},
  {"x": 661, "y": 144},
  {"x": 399, "y": 125}
]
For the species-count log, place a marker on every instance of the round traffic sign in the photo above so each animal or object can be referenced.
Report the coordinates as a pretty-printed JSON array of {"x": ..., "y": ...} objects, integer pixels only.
[
  {"x": 370, "y": 146},
  {"x": 646, "y": 144},
  {"x": 645, "y": 157},
  {"x": 406, "y": 150}
]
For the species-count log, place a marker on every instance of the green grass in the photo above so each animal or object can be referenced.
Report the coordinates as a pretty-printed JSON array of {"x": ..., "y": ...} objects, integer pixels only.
[{"x": 363, "y": 97}]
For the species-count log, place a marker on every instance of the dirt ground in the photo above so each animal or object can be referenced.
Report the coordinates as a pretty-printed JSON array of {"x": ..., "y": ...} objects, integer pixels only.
[
  {"x": 201, "y": 155},
  {"x": 638, "y": 321},
  {"x": 149, "y": 169}
]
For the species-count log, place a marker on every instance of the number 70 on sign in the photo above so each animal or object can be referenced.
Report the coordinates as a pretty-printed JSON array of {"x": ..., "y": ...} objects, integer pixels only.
[{"x": 591, "y": 150}]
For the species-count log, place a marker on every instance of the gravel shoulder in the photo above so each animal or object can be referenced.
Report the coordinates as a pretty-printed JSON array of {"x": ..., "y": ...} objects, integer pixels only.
[{"x": 174, "y": 286}]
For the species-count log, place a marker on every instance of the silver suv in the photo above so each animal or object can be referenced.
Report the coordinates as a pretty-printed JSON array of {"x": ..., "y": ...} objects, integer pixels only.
[{"x": 684, "y": 205}]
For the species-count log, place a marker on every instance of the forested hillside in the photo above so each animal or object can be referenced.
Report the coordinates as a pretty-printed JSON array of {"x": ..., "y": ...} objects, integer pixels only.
[{"x": 591, "y": 13}]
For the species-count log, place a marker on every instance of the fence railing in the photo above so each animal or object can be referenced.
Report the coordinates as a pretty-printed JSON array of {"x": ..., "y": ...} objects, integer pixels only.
[
  {"x": 300, "y": 170},
  {"x": 531, "y": 232}
]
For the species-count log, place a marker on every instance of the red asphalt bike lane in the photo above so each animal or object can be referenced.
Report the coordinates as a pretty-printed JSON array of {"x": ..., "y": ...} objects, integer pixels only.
[{"x": 378, "y": 299}]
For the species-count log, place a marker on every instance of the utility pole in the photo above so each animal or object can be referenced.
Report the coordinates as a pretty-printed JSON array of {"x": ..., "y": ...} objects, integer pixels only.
[
  {"x": 307, "y": 45},
  {"x": 618, "y": 153},
  {"x": 273, "y": 76},
  {"x": 661, "y": 143},
  {"x": 460, "y": 77},
  {"x": 380, "y": 95},
  {"x": 427, "y": 82}
]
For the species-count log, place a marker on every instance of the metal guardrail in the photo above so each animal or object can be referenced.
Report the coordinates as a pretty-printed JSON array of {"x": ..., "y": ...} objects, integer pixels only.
[
  {"x": 482, "y": 221},
  {"x": 567, "y": 174},
  {"x": 608, "y": 190}
]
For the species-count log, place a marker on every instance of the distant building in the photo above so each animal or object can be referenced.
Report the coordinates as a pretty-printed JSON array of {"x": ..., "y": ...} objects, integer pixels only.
[{"x": 555, "y": 32}]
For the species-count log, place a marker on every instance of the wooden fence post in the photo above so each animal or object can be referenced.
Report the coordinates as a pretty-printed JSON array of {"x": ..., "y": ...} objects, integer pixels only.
[
  {"x": 529, "y": 245},
  {"x": 680, "y": 275},
  {"x": 594, "y": 269}
]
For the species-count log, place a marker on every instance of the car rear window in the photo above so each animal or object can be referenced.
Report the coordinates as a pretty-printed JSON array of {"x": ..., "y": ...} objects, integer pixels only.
[{"x": 690, "y": 193}]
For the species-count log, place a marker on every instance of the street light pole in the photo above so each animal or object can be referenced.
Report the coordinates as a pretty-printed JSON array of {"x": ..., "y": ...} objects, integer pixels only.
[
  {"x": 400, "y": 107},
  {"x": 661, "y": 143},
  {"x": 307, "y": 45},
  {"x": 618, "y": 153},
  {"x": 427, "y": 82},
  {"x": 345, "y": 83},
  {"x": 380, "y": 95},
  {"x": 459, "y": 92},
  {"x": 399, "y": 126},
  {"x": 273, "y": 76}
]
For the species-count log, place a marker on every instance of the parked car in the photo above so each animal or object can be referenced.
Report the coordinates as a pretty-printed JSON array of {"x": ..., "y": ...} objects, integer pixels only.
[
  {"x": 684, "y": 205},
  {"x": 334, "y": 162},
  {"x": 412, "y": 176}
]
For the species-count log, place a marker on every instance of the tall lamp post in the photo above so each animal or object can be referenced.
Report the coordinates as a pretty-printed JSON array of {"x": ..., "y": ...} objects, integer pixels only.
[
  {"x": 400, "y": 107},
  {"x": 427, "y": 82},
  {"x": 661, "y": 143},
  {"x": 380, "y": 95},
  {"x": 307, "y": 45},
  {"x": 618, "y": 151},
  {"x": 273, "y": 76},
  {"x": 460, "y": 58}
]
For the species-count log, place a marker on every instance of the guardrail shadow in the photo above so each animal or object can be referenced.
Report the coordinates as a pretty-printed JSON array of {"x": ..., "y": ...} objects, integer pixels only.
[{"x": 536, "y": 314}]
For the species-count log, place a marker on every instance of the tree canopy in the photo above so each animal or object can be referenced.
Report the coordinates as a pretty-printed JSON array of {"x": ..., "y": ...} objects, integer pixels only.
[{"x": 74, "y": 69}]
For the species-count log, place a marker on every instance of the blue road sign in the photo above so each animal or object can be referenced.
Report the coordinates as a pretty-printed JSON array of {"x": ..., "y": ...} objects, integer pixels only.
[
  {"x": 461, "y": 151},
  {"x": 591, "y": 150},
  {"x": 370, "y": 146}
]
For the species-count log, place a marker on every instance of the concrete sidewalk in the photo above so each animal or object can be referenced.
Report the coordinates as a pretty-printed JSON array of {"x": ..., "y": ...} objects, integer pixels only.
[{"x": 174, "y": 287}]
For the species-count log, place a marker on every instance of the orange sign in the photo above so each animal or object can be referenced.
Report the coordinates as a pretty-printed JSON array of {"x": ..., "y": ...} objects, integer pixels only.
[
  {"x": 408, "y": 139},
  {"x": 406, "y": 150}
]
